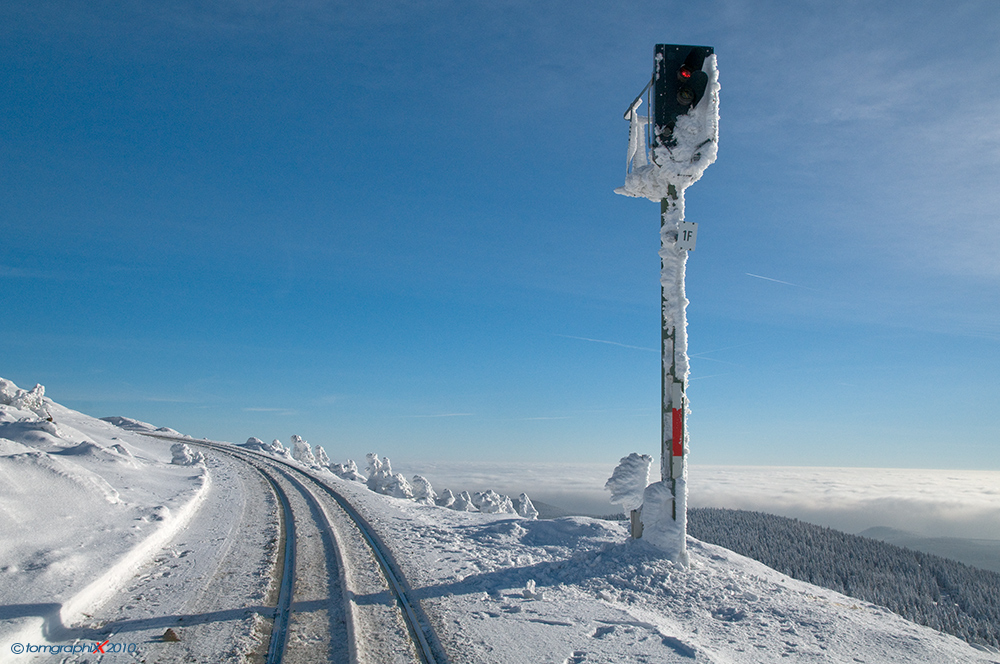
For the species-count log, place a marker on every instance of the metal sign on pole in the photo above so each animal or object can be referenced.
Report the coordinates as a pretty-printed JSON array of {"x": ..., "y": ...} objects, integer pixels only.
[{"x": 668, "y": 152}]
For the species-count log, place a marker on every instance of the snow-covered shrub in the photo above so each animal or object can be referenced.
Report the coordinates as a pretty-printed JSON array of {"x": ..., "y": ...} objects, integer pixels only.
[
  {"x": 301, "y": 451},
  {"x": 348, "y": 471},
  {"x": 377, "y": 470},
  {"x": 274, "y": 447},
  {"x": 321, "y": 457},
  {"x": 423, "y": 492},
  {"x": 381, "y": 479},
  {"x": 530, "y": 591},
  {"x": 397, "y": 486},
  {"x": 525, "y": 508},
  {"x": 446, "y": 499},
  {"x": 280, "y": 450},
  {"x": 185, "y": 456},
  {"x": 31, "y": 400},
  {"x": 628, "y": 481},
  {"x": 464, "y": 503},
  {"x": 256, "y": 444},
  {"x": 492, "y": 502}
]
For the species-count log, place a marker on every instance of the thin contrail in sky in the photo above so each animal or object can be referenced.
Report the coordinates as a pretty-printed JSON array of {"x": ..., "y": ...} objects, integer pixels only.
[
  {"x": 779, "y": 281},
  {"x": 611, "y": 343}
]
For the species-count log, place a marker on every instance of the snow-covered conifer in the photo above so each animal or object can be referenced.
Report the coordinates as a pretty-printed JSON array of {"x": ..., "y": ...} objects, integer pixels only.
[
  {"x": 464, "y": 503},
  {"x": 525, "y": 508},
  {"x": 278, "y": 449},
  {"x": 446, "y": 499},
  {"x": 348, "y": 471},
  {"x": 492, "y": 502},
  {"x": 423, "y": 492},
  {"x": 301, "y": 451}
]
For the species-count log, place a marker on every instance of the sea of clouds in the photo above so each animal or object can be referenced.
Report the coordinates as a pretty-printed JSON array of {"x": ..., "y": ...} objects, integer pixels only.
[{"x": 929, "y": 503}]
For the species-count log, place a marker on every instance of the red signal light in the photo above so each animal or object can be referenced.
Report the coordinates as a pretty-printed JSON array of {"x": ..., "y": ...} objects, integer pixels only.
[{"x": 683, "y": 73}]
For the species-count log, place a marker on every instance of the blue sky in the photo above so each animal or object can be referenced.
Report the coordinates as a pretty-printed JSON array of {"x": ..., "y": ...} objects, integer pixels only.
[{"x": 391, "y": 226}]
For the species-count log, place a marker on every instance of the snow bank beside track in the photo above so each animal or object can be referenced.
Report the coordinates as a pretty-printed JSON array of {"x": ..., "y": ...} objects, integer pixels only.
[{"x": 83, "y": 504}]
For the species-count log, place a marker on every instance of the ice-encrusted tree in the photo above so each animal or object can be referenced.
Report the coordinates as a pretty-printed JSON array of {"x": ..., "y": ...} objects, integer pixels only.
[
  {"x": 463, "y": 503},
  {"x": 302, "y": 452},
  {"x": 423, "y": 492},
  {"x": 279, "y": 449},
  {"x": 32, "y": 400},
  {"x": 381, "y": 479},
  {"x": 491, "y": 502},
  {"x": 445, "y": 499},
  {"x": 321, "y": 457},
  {"x": 348, "y": 471},
  {"x": 525, "y": 507}
]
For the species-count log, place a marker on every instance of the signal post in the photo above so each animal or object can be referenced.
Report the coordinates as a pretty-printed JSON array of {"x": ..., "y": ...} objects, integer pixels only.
[{"x": 668, "y": 152}]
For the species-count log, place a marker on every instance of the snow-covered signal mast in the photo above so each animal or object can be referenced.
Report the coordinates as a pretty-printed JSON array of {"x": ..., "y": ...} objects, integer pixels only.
[{"x": 667, "y": 153}]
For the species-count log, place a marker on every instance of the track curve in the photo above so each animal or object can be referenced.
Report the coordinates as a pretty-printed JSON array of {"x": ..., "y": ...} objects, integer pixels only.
[{"x": 380, "y": 623}]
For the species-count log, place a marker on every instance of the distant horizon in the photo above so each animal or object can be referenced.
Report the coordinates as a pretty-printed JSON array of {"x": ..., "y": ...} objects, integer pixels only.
[{"x": 381, "y": 229}]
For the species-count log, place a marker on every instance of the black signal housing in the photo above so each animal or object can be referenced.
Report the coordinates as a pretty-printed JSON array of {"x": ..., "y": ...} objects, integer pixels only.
[{"x": 678, "y": 86}]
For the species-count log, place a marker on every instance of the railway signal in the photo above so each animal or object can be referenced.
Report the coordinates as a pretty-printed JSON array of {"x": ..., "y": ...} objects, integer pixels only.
[{"x": 669, "y": 149}]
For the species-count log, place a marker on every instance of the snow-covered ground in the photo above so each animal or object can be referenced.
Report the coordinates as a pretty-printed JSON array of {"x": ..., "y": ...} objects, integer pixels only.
[
  {"x": 82, "y": 520},
  {"x": 83, "y": 506}
]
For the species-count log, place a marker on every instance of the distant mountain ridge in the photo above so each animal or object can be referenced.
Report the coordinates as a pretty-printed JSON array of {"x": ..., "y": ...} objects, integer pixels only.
[
  {"x": 981, "y": 553},
  {"x": 942, "y": 594}
]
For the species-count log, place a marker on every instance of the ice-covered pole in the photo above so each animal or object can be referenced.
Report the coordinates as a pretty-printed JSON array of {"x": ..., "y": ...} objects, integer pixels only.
[
  {"x": 674, "y": 357},
  {"x": 685, "y": 88}
]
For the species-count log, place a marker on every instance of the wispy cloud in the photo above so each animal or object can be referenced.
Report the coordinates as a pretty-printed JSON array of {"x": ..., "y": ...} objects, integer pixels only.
[
  {"x": 279, "y": 411},
  {"x": 610, "y": 343},
  {"x": 23, "y": 273},
  {"x": 442, "y": 415}
]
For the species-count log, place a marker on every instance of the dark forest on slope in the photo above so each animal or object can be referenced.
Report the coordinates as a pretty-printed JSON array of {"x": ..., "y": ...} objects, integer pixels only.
[{"x": 943, "y": 594}]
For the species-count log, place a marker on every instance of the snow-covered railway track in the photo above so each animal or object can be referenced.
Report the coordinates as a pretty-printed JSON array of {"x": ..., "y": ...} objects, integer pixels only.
[{"x": 346, "y": 599}]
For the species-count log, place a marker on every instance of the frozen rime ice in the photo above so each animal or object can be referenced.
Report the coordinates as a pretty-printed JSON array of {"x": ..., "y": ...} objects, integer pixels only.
[
  {"x": 348, "y": 471},
  {"x": 629, "y": 480},
  {"x": 275, "y": 447},
  {"x": 525, "y": 507},
  {"x": 321, "y": 457},
  {"x": 446, "y": 499},
  {"x": 301, "y": 451},
  {"x": 423, "y": 492},
  {"x": 381, "y": 479},
  {"x": 660, "y": 528},
  {"x": 31, "y": 400},
  {"x": 185, "y": 456},
  {"x": 664, "y": 177},
  {"x": 683, "y": 164},
  {"x": 464, "y": 503},
  {"x": 491, "y": 502}
]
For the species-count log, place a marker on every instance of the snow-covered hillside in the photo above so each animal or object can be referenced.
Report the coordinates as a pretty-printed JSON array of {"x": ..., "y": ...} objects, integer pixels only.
[{"x": 84, "y": 504}]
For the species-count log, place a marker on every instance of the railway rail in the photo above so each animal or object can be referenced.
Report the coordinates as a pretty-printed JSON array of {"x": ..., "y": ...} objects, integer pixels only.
[{"x": 342, "y": 597}]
